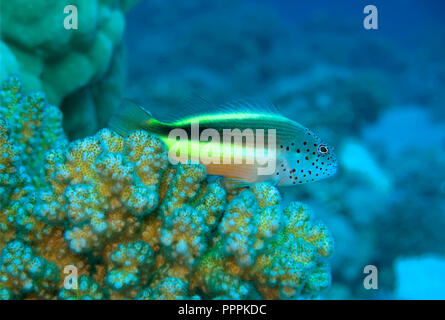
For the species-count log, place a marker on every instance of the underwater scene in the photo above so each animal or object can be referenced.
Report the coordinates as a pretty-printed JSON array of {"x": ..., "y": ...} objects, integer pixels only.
[{"x": 232, "y": 149}]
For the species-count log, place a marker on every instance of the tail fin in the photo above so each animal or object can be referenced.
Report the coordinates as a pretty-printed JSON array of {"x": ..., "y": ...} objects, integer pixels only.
[{"x": 129, "y": 117}]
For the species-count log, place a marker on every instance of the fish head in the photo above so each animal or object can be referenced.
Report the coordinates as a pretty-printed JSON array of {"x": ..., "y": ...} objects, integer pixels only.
[{"x": 306, "y": 160}]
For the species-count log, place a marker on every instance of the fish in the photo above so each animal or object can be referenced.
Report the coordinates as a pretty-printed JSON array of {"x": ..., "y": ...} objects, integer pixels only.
[{"x": 244, "y": 142}]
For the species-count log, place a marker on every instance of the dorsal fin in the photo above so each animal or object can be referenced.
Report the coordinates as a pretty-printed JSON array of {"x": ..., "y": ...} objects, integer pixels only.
[
  {"x": 250, "y": 105},
  {"x": 195, "y": 105},
  {"x": 192, "y": 105}
]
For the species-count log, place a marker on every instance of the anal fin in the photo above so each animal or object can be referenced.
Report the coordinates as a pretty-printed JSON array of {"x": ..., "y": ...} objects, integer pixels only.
[{"x": 235, "y": 183}]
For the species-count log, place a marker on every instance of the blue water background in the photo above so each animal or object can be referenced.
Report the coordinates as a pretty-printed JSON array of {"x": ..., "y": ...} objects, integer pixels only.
[{"x": 383, "y": 92}]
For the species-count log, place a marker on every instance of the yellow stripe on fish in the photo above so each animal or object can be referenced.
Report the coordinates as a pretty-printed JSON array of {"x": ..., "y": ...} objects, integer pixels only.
[{"x": 244, "y": 143}]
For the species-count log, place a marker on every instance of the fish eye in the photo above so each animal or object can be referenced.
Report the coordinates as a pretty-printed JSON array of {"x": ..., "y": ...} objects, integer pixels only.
[{"x": 323, "y": 149}]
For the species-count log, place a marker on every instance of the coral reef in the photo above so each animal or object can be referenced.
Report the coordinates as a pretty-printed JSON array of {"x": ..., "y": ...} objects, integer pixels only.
[
  {"x": 29, "y": 127},
  {"x": 377, "y": 99},
  {"x": 135, "y": 227},
  {"x": 262, "y": 252}
]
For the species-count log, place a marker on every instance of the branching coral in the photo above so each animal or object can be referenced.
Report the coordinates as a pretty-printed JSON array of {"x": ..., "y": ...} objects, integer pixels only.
[
  {"x": 88, "y": 289},
  {"x": 130, "y": 266},
  {"x": 102, "y": 187},
  {"x": 134, "y": 226},
  {"x": 29, "y": 127},
  {"x": 23, "y": 271},
  {"x": 8, "y": 156},
  {"x": 34, "y": 125},
  {"x": 265, "y": 252}
]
